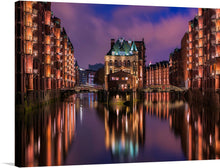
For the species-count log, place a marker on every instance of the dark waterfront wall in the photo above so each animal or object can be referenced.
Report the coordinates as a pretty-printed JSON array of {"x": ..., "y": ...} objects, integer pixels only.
[
  {"x": 32, "y": 99},
  {"x": 208, "y": 97}
]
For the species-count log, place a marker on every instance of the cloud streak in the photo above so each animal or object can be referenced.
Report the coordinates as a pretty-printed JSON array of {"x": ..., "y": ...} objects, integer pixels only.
[{"x": 90, "y": 33}]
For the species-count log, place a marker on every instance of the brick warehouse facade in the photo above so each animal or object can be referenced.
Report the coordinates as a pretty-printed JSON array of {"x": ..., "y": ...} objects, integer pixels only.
[
  {"x": 128, "y": 57},
  {"x": 184, "y": 46},
  {"x": 203, "y": 64},
  {"x": 176, "y": 68},
  {"x": 44, "y": 55},
  {"x": 157, "y": 74}
]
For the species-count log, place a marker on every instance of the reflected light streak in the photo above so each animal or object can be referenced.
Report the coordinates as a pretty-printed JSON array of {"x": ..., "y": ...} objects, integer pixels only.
[{"x": 81, "y": 113}]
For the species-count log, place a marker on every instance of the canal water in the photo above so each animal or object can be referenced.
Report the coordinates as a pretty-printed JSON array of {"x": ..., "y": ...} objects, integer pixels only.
[{"x": 80, "y": 130}]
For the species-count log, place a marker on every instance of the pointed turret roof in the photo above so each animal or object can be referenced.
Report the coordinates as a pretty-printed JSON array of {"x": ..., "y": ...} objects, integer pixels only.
[{"x": 133, "y": 47}]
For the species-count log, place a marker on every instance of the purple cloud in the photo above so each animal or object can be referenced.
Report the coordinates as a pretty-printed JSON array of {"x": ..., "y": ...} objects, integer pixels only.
[{"x": 91, "y": 34}]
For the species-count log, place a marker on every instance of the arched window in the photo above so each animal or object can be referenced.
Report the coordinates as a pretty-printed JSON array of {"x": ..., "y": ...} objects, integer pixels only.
[
  {"x": 128, "y": 63},
  {"x": 124, "y": 63},
  {"x": 120, "y": 63},
  {"x": 134, "y": 63},
  {"x": 110, "y": 63},
  {"x": 116, "y": 63}
]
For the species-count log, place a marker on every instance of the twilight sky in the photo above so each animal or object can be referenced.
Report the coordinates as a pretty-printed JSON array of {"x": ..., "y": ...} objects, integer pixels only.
[{"x": 91, "y": 27}]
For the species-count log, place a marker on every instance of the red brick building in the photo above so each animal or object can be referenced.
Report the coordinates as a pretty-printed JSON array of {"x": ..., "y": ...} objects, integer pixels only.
[
  {"x": 184, "y": 48},
  {"x": 204, "y": 50},
  {"x": 44, "y": 56},
  {"x": 121, "y": 81},
  {"x": 141, "y": 62},
  {"x": 176, "y": 75},
  {"x": 157, "y": 74}
]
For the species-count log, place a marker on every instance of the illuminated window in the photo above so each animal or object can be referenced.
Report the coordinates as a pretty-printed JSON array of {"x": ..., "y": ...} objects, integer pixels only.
[
  {"x": 28, "y": 20},
  {"x": 58, "y": 74},
  {"x": 28, "y": 6},
  {"x": 29, "y": 64},
  {"x": 218, "y": 38},
  {"x": 29, "y": 47},
  {"x": 190, "y": 28},
  {"x": 47, "y": 17},
  {"x": 200, "y": 72},
  {"x": 57, "y": 33},
  {"x": 190, "y": 37},
  {"x": 200, "y": 12},
  {"x": 190, "y": 59},
  {"x": 200, "y": 61},
  {"x": 47, "y": 48},
  {"x": 58, "y": 50},
  {"x": 28, "y": 33},
  {"x": 200, "y": 33},
  {"x": 200, "y": 23},
  {"x": 48, "y": 59},
  {"x": 217, "y": 13},
  {"x": 200, "y": 43},
  {"x": 190, "y": 52},
  {"x": 218, "y": 25},
  {"x": 200, "y": 52},
  {"x": 58, "y": 43},
  {"x": 47, "y": 39},
  {"x": 48, "y": 71}
]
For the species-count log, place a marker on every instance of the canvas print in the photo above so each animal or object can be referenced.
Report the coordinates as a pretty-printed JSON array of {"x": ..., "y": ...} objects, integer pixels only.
[{"x": 101, "y": 84}]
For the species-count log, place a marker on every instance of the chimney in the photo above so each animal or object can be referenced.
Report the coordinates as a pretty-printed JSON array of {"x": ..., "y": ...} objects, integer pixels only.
[{"x": 112, "y": 42}]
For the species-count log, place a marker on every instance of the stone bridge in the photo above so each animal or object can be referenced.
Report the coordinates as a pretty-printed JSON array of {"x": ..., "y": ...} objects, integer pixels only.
[
  {"x": 163, "y": 88},
  {"x": 83, "y": 88}
]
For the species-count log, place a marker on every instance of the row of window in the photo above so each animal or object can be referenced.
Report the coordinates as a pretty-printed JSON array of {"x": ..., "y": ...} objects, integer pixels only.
[
  {"x": 118, "y": 78},
  {"x": 121, "y": 63},
  {"x": 117, "y": 70}
]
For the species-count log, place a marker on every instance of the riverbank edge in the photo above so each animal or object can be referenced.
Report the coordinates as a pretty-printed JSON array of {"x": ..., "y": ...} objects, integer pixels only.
[
  {"x": 50, "y": 97},
  {"x": 208, "y": 98}
]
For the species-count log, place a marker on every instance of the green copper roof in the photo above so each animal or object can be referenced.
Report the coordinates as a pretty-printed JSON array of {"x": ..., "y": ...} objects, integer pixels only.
[
  {"x": 133, "y": 47},
  {"x": 123, "y": 47}
]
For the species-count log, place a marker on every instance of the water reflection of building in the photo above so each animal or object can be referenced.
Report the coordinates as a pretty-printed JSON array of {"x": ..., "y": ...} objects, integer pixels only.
[
  {"x": 124, "y": 131},
  {"x": 157, "y": 104},
  {"x": 202, "y": 133},
  {"x": 197, "y": 126},
  {"x": 44, "y": 139}
]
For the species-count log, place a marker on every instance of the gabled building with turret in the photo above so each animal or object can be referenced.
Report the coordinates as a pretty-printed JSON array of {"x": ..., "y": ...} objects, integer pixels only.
[{"x": 125, "y": 65}]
